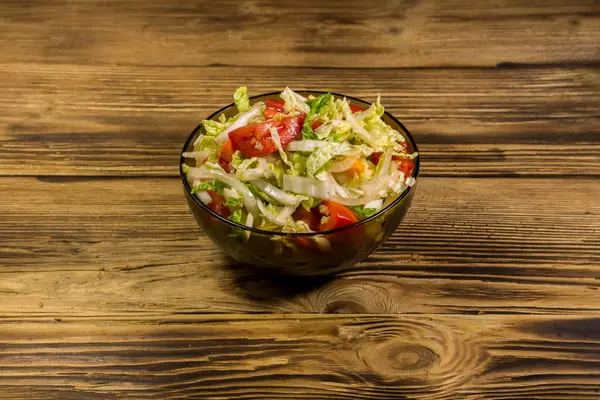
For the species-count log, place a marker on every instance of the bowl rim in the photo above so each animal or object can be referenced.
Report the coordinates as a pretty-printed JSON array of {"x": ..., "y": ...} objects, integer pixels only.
[{"x": 303, "y": 234}]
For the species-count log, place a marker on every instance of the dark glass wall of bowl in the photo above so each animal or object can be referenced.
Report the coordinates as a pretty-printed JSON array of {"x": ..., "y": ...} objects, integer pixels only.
[{"x": 301, "y": 254}]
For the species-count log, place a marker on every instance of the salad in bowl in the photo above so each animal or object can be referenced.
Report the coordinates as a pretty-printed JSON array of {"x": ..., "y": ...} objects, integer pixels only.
[{"x": 298, "y": 174}]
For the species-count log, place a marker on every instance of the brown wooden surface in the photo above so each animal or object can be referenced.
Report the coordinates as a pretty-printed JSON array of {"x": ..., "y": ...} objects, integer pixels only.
[
  {"x": 490, "y": 289},
  {"x": 131, "y": 120},
  {"x": 302, "y": 356}
]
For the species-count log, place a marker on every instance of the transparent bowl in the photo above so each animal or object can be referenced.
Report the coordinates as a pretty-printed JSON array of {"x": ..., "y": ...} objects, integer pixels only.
[{"x": 295, "y": 253}]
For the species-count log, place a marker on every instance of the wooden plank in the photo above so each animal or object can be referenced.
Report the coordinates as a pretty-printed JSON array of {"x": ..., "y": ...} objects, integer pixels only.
[
  {"x": 300, "y": 357},
  {"x": 76, "y": 245},
  {"x": 310, "y": 33},
  {"x": 121, "y": 120}
]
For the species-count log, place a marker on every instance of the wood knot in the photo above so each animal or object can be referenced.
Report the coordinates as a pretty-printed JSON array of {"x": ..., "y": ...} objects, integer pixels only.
[
  {"x": 345, "y": 307},
  {"x": 397, "y": 360}
]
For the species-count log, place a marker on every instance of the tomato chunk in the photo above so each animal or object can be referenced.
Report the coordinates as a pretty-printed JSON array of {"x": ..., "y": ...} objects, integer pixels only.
[
  {"x": 406, "y": 166},
  {"x": 374, "y": 157},
  {"x": 339, "y": 216},
  {"x": 270, "y": 113},
  {"x": 255, "y": 140},
  {"x": 277, "y": 105},
  {"x": 226, "y": 151},
  {"x": 216, "y": 204},
  {"x": 356, "y": 109},
  {"x": 316, "y": 124},
  {"x": 312, "y": 217}
]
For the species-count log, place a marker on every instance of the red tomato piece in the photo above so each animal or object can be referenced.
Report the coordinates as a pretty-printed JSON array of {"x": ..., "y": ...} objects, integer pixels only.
[
  {"x": 339, "y": 216},
  {"x": 270, "y": 113},
  {"x": 312, "y": 217},
  {"x": 226, "y": 151},
  {"x": 224, "y": 164},
  {"x": 374, "y": 157},
  {"x": 275, "y": 104},
  {"x": 216, "y": 204},
  {"x": 356, "y": 109},
  {"x": 255, "y": 140},
  {"x": 316, "y": 124},
  {"x": 406, "y": 166}
]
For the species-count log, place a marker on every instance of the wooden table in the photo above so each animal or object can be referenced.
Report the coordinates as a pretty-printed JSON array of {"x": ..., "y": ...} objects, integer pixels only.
[{"x": 488, "y": 290}]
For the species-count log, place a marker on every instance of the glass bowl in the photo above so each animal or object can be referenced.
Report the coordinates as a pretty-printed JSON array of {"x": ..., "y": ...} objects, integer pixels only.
[{"x": 296, "y": 253}]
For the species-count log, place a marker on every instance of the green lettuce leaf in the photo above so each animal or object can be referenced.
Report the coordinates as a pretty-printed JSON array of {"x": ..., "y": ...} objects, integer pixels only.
[
  {"x": 374, "y": 124},
  {"x": 237, "y": 217},
  {"x": 299, "y": 162},
  {"x": 242, "y": 101},
  {"x": 215, "y": 185},
  {"x": 260, "y": 194},
  {"x": 213, "y": 128},
  {"x": 296, "y": 227},
  {"x": 331, "y": 111},
  {"x": 231, "y": 202},
  {"x": 310, "y": 202},
  {"x": 316, "y": 105},
  {"x": 277, "y": 142},
  {"x": 236, "y": 159},
  {"x": 293, "y": 101},
  {"x": 322, "y": 155},
  {"x": 342, "y": 131},
  {"x": 207, "y": 143},
  {"x": 363, "y": 212},
  {"x": 278, "y": 172},
  {"x": 247, "y": 163}
]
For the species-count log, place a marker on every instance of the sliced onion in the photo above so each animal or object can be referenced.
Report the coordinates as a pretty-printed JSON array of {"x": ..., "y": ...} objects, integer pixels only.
[
  {"x": 230, "y": 193},
  {"x": 376, "y": 184},
  {"x": 343, "y": 165},
  {"x": 376, "y": 204},
  {"x": 343, "y": 191},
  {"x": 277, "y": 194},
  {"x": 248, "y": 197},
  {"x": 204, "y": 197},
  {"x": 308, "y": 187},
  {"x": 250, "y": 220},
  {"x": 374, "y": 187},
  {"x": 243, "y": 120}
]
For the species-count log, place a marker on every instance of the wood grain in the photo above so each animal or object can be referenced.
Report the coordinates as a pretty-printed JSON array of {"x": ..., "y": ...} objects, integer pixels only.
[
  {"x": 488, "y": 290},
  {"x": 309, "y": 33},
  {"x": 78, "y": 245},
  {"x": 301, "y": 357},
  {"x": 69, "y": 119}
]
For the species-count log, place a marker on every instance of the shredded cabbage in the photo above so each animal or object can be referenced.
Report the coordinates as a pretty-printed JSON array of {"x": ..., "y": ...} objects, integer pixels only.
[
  {"x": 308, "y": 187},
  {"x": 242, "y": 102},
  {"x": 352, "y": 158},
  {"x": 282, "y": 154},
  {"x": 323, "y": 154},
  {"x": 294, "y": 101}
]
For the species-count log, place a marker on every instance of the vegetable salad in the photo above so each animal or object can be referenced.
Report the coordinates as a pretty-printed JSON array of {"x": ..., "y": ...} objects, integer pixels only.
[{"x": 296, "y": 164}]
